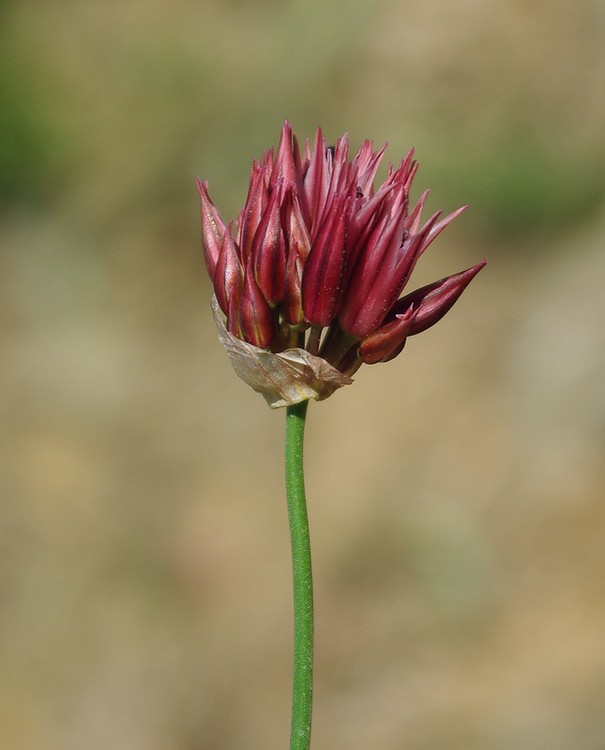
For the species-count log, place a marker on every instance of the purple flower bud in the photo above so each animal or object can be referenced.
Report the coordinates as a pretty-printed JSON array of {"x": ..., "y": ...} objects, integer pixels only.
[
  {"x": 228, "y": 274},
  {"x": 213, "y": 228},
  {"x": 316, "y": 182},
  {"x": 299, "y": 246},
  {"x": 430, "y": 303},
  {"x": 251, "y": 214},
  {"x": 324, "y": 270},
  {"x": 287, "y": 166},
  {"x": 380, "y": 273},
  {"x": 268, "y": 251},
  {"x": 255, "y": 316},
  {"x": 388, "y": 341}
]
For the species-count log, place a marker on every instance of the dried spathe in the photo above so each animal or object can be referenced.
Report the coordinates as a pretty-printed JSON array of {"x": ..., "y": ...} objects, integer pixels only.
[{"x": 283, "y": 378}]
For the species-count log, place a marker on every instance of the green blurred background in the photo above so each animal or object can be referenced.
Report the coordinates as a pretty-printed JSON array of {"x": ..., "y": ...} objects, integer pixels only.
[{"x": 456, "y": 494}]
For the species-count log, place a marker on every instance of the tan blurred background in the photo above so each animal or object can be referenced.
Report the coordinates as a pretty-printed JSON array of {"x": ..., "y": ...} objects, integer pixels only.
[{"x": 456, "y": 494}]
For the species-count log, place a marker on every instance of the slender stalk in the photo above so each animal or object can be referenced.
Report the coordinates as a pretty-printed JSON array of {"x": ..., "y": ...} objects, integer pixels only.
[{"x": 302, "y": 681}]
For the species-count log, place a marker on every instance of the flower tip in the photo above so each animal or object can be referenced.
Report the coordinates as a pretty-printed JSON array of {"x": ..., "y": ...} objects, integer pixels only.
[
  {"x": 455, "y": 214},
  {"x": 213, "y": 227},
  {"x": 433, "y": 301},
  {"x": 474, "y": 270}
]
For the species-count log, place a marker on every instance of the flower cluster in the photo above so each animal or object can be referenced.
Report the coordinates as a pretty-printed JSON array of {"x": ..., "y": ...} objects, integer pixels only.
[{"x": 318, "y": 259}]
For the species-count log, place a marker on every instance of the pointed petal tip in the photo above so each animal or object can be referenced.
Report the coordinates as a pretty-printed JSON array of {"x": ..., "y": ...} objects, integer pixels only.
[
  {"x": 455, "y": 214},
  {"x": 433, "y": 301},
  {"x": 474, "y": 270}
]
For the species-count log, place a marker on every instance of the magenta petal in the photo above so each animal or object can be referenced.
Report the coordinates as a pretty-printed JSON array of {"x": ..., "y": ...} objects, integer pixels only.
[
  {"x": 298, "y": 248},
  {"x": 213, "y": 227},
  {"x": 388, "y": 341},
  {"x": 366, "y": 164},
  {"x": 325, "y": 267},
  {"x": 287, "y": 167},
  {"x": 268, "y": 251},
  {"x": 293, "y": 309},
  {"x": 251, "y": 214},
  {"x": 295, "y": 228},
  {"x": 371, "y": 208},
  {"x": 340, "y": 166},
  {"x": 436, "y": 230},
  {"x": 378, "y": 276},
  {"x": 256, "y": 319},
  {"x": 413, "y": 220},
  {"x": 430, "y": 303},
  {"x": 228, "y": 274},
  {"x": 317, "y": 180}
]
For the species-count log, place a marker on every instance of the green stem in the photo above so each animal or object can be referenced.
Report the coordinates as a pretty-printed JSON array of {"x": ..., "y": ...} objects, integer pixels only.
[{"x": 302, "y": 682}]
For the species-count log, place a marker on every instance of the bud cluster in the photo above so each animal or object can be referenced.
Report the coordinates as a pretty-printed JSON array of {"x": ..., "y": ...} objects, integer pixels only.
[{"x": 318, "y": 259}]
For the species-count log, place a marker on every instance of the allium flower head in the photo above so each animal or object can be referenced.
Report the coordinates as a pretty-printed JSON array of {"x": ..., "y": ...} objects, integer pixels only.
[{"x": 309, "y": 277}]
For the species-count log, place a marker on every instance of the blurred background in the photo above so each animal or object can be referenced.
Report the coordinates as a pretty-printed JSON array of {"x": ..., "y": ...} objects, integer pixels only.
[{"x": 456, "y": 493}]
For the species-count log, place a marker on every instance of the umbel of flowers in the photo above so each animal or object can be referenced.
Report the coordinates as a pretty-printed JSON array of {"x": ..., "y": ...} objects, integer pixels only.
[{"x": 312, "y": 271}]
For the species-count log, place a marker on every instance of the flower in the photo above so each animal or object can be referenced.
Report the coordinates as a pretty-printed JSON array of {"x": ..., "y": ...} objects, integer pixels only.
[{"x": 314, "y": 267}]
